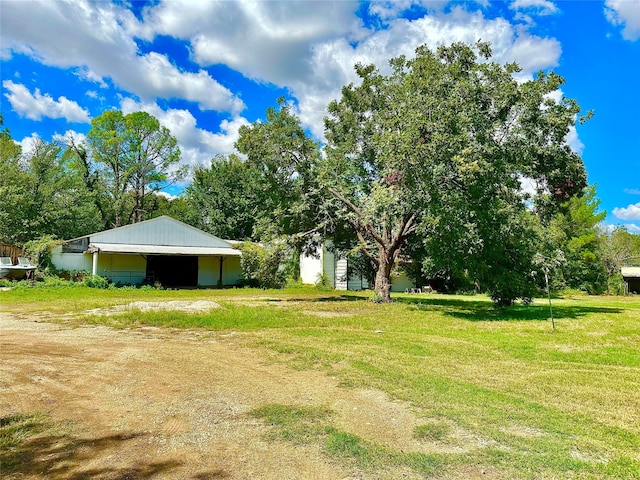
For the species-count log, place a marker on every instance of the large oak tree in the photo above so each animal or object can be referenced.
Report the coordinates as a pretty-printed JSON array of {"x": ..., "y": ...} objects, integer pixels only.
[{"x": 437, "y": 148}]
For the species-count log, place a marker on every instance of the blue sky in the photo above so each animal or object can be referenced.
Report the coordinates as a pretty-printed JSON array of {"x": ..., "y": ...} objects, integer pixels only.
[{"x": 206, "y": 68}]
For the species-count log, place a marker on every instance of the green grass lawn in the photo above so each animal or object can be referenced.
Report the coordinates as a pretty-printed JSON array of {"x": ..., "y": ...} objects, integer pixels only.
[{"x": 544, "y": 404}]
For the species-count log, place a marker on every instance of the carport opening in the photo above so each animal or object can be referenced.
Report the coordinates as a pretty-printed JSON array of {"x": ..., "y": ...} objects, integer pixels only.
[
  {"x": 634, "y": 284},
  {"x": 173, "y": 270}
]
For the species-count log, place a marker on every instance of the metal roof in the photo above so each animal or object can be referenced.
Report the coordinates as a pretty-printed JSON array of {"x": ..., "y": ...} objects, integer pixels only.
[
  {"x": 158, "y": 231},
  {"x": 630, "y": 272},
  {"x": 161, "y": 249}
]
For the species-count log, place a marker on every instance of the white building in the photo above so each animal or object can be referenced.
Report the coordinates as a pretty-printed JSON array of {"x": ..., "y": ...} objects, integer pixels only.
[
  {"x": 336, "y": 268},
  {"x": 161, "y": 250}
]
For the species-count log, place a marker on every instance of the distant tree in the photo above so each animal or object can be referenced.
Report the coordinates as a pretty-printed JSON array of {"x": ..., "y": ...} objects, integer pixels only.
[
  {"x": 228, "y": 198},
  {"x": 177, "y": 207},
  {"x": 263, "y": 266},
  {"x": 286, "y": 160},
  {"x": 126, "y": 158},
  {"x": 575, "y": 231},
  {"x": 40, "y": 194},
  {"x": 435, "y": 149},
  {"x": 618, "y": 249},
  {"x": 154, "y": 156}
]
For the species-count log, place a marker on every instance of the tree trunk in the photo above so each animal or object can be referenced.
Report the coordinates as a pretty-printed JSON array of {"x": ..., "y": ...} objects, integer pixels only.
[{"x": 382, "y": 287}]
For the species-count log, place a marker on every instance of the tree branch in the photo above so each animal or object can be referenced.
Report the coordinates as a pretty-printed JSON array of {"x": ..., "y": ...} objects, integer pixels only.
[
  {"x": 367, "y": 227},
  {"x": 364, "y": 250}
]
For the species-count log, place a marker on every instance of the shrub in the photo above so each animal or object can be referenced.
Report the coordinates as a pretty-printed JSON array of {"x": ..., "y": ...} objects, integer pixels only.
[
  {"x": 323, "y": 283},
  {"x": 615, "y": 284},
  {"x": 96, "y": 282},
  {"x": 39, "y": 253},
  {"x": 263, "y": 266}
]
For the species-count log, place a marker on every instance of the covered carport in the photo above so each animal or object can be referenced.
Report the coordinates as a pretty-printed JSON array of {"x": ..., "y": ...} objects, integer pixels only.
[
  {"x": 162, "y": 250},
  {"x": 171, "y": 266},
  {"x": 631, "y": 276}
]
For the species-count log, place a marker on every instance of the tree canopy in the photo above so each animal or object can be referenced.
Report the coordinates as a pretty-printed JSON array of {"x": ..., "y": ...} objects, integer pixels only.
[
  {"x": 127, "y": 158},
  {"x": 40, "y": 194},
  {"x": 437, "y": 148}
]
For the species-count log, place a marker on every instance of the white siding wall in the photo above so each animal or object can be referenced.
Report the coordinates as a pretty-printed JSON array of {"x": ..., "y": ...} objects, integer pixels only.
[
  {"x": 70, "y": 261},
  {"x": 118, "y": 268},
  {"x": 329, "y": 265},
  {"x": 231, "y": 271},
  {"x": 208, "y": 271},
  {"x": 133, "y": 268},
  {"x": 311, "y": 268},
  {"x": 341, "y": 274},
  {"x": 357, "y": 283}
]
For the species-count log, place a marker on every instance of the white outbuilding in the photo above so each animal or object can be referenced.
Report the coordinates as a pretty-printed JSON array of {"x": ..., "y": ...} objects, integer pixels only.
[
  {"x": 334, "y": 266},
  {"x": 161, "y": 250},
  {"x": 631, "y": 276}
]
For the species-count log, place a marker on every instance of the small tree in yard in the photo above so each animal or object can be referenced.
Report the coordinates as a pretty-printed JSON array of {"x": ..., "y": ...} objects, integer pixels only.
[
  {"x": 263, "y": 266},
  {"x": 436, "y": 149}
]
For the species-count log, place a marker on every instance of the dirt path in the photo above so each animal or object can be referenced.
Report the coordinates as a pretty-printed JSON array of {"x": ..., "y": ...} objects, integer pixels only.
[{"x": 154, "y": 403}]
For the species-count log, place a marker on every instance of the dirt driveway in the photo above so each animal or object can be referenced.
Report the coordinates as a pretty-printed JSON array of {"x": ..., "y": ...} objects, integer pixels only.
[{"x": 156, "y": 403}]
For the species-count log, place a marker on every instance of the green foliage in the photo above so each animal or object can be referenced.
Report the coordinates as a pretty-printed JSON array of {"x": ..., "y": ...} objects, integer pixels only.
[
  {"x": 39, "y": 252},
  {"x": 575, "y": 231},
  {"x": 323, "y": 283},
  {"x": 263, "y": 266},
  {"x": 41, "y": 194},
  {"x": 435, "y": 149},
  {"x": 126, "y": 160},
  {"x": 95, "y": 281},
  {"x": 615, "y": 284},
  {"x": 619, "y": 248},
  {"x": 229, "y": 198}
]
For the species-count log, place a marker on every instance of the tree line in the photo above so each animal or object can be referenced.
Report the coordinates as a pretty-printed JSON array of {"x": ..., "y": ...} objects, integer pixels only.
[{"x": 422, "y": 167}]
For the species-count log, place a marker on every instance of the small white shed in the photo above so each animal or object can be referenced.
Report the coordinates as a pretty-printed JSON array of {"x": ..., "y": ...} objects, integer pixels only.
[
  {"x": 161, "y": 250},
  {"x": 336, "y": 268},
  {"x": 324, "y": 261},
  {"x": 631, "y": 276}
]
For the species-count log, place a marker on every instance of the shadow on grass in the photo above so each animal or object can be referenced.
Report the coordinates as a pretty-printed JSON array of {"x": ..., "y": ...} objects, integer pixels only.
[
  {"x": 478, "y": 310},
  {"x": 54, "y": 455},
  {"x": 467, "y": 309},
  {"x": 326, "y": 299}
]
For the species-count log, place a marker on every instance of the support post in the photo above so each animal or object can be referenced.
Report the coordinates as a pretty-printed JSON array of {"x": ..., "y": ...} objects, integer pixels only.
[
  {"x": 94, "y": 267},
  {"x": 220, "y": 274}
]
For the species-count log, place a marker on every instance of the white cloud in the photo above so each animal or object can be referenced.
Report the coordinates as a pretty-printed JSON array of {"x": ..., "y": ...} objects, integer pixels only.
[
  {"x": 95, "y": 38},
  {"x": 332, "y": 61},
  {"x": 167, "y": 195},
  {"x": 574, "y": 141},
  {"x": 627, "y": 13},
  {"x": 36, "y": 105},
  {"x": 66, "y": 137},
  {"x": 538, "y": 7},
  {"x": 632, "y": 227},
  {"x": 197, "y": 145},
  {"x": 267, "y": 41},
  {"x": 632, "y": 191},
  {"x": 632, "y": 212},
  {"x": 528, "y": 186},
  {"x": 27, "y": 143},
  {"x": 308, "y": 47}
]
